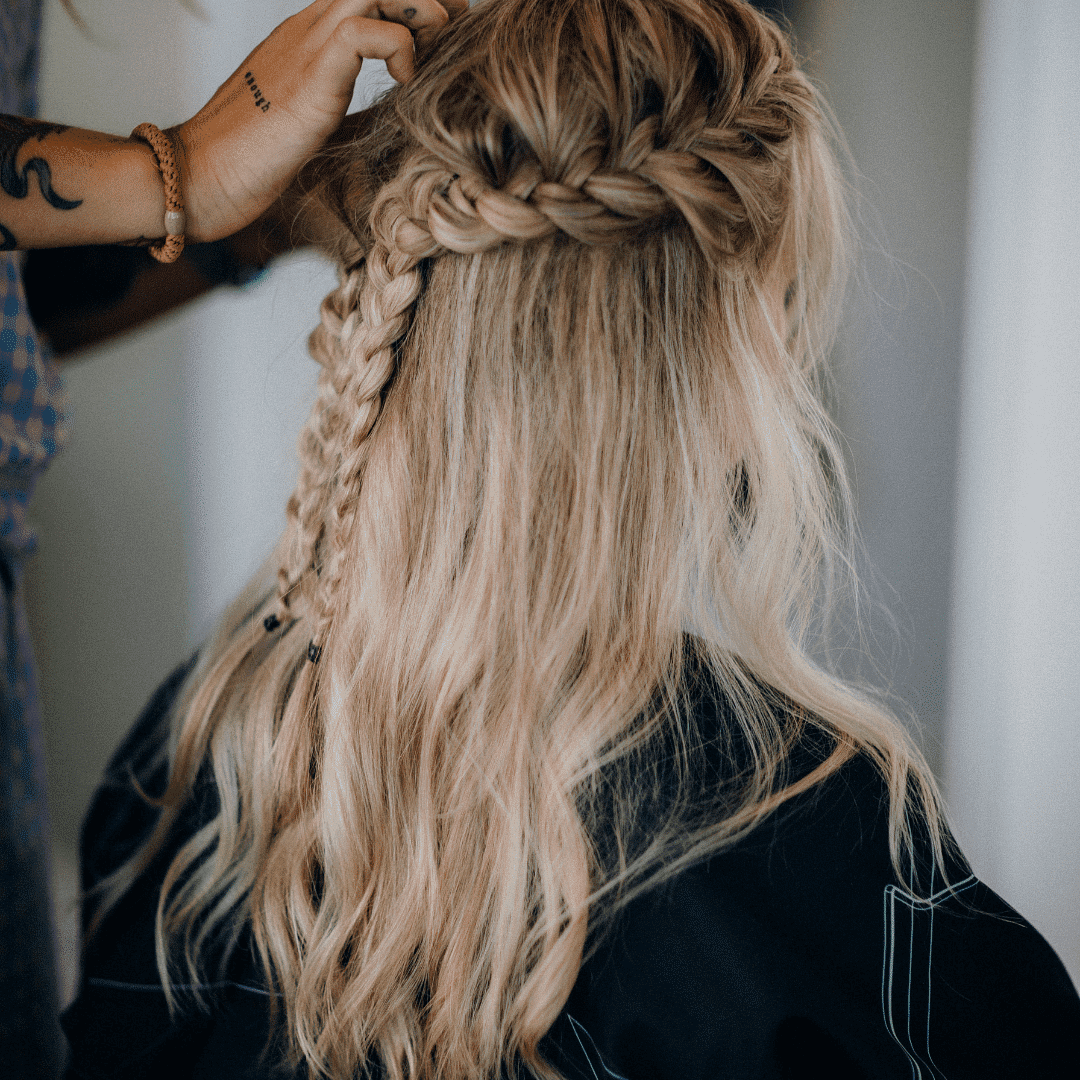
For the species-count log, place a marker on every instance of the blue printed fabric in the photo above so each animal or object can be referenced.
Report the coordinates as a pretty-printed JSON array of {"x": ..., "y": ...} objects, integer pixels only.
[
  {"x": 32, "y": 428},
  {"x": 32, "y": 413}
]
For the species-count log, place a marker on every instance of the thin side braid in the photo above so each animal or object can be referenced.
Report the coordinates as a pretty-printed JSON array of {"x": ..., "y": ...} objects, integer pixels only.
[
  {"x": 305, "y": 511},
  {"x": 361, "y": 321},
  {"x": 386, "y": 320}
]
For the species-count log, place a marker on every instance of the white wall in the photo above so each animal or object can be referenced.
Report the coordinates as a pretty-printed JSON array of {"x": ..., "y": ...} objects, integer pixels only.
[
  {"x": 966, "y": 316},
  {"x": 1013, "y": 750},
  {"x": 173, "y": 487},
  {"x": 898, "y": 76}
]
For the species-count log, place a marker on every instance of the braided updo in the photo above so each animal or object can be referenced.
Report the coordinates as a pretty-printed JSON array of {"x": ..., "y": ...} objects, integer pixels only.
[{"x": 690, "y": 123}]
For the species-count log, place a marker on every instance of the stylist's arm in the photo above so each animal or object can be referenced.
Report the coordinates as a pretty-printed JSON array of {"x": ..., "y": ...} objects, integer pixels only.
[{"x": 61, "y": 186}]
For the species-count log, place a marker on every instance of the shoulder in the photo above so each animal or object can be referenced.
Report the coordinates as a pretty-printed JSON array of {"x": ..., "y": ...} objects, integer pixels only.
[{"x": 798, "y": 949}]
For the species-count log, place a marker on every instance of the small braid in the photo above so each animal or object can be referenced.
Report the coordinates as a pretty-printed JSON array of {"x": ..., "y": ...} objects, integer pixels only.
[
  {"x": 305, "y": 510},
  {"x": 387, "y": 319},
  {"x": 360, "y": 323}
]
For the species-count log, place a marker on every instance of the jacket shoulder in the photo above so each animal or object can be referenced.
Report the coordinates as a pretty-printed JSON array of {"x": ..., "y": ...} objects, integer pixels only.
[{"x": 798, "y": 948}]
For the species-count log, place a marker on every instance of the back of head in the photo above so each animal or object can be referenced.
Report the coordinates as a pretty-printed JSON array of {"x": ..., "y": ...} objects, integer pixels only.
[
  {"x": 590, "y": 258},
  {"x": 580, "y": 196}
]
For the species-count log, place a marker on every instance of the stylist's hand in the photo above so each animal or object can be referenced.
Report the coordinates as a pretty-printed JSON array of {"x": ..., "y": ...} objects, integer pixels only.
[{"x": 240, "y": 151}]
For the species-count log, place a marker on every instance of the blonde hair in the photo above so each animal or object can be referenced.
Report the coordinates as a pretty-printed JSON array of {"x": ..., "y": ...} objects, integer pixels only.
[{"x": 568, "y": 465}]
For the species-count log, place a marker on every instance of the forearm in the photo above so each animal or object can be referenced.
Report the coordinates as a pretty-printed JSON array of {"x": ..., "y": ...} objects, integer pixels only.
[
  {"x": 83, "y": 292},
  {"x": 65, "y": 186},
  {"x": 61, "y": 187},
  {"x": 81, "y": 296}
]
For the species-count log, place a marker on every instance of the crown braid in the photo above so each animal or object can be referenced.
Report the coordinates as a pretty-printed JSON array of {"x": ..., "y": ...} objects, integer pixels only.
[
  {"x": 713, "y": 185},
  {"x": 699, "y": 130}
]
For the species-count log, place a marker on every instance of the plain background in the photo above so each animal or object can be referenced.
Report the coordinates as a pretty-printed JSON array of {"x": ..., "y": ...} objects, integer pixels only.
[{"x": 958, "y": 393}]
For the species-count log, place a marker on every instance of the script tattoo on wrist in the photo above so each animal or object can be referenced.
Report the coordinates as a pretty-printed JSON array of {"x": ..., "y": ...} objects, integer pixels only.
[
  {"x": 15, "y": 132},
  {"x": 253, "y": 86}
]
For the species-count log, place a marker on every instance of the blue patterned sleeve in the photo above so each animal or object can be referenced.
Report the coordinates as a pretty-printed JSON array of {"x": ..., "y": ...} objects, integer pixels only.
[{"x": 33, "y": 410}]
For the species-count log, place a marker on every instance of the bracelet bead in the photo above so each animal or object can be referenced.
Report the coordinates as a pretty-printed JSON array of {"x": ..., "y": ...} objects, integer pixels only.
[{"x": 175, "y": 222}]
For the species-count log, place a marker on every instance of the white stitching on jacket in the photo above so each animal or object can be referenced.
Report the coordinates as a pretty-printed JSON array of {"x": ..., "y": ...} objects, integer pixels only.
[
  {"x": 579, "y": 1029},
  {"x": 893, "y": 896}
]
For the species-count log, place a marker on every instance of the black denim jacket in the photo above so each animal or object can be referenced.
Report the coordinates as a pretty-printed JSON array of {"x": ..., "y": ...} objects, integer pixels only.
[{"x": 795, "y": 954}]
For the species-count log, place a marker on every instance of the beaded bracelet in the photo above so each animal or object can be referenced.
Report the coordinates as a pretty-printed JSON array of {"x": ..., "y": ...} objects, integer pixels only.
[{"x": 175, "y": 221}]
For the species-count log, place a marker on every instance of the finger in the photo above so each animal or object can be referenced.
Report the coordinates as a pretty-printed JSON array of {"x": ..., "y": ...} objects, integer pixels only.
[
  {"x": 343, "y": 19},
  {"x": 424, "y": 18},
  {"x": 415, "y": 14},
  {"x": 375, "y": 39},
  {"x": 428, "y": 35}
]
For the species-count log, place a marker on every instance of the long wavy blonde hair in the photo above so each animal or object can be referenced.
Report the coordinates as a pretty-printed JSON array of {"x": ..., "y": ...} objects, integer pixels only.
[{"x": 568, "y": 449}]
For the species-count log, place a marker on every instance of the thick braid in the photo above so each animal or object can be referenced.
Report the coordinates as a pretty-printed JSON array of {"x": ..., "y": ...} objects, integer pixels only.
[
  {"x": 727, "y": 184},
  {"x": 700, "y": 130}
]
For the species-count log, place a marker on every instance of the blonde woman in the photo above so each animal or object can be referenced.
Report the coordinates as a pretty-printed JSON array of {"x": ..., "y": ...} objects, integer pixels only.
[
  {"x": 67, "y": 198},
  {"x": 518, "y": 759}
]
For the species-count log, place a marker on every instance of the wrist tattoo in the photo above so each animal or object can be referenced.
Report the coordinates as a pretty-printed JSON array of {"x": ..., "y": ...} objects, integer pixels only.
[
  {"x": 253, "y": 86},
  {"x": 15, "y": 132}
]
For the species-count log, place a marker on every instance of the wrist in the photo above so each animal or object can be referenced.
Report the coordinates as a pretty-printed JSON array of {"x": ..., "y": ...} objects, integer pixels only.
[
  {"x": 164, "y": 147},
  {"x": 196, "y": 218},
  {"x": 158, "y": 171},
  {"x": 209, "y": 218}
]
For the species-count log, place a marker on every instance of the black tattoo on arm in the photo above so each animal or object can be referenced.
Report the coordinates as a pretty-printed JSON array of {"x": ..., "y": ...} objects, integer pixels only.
[
  {"x": 253, "y": 86},
  {"x": 7, "y": 239},
  {"x": 15, "y": 131},
  {"x": 410, "y": 14}
]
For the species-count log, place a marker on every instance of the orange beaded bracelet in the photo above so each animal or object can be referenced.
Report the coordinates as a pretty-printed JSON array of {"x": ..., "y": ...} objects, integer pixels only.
[{"x": 175, "y": 221}]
